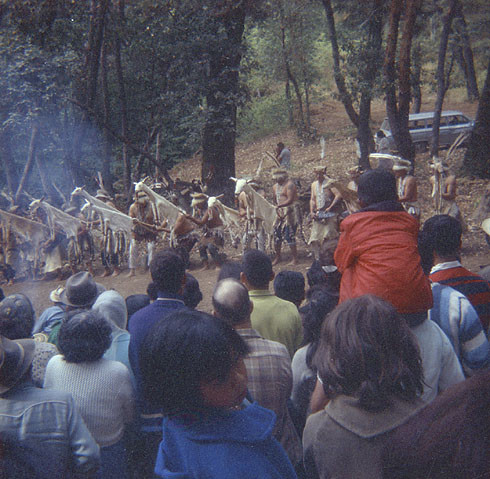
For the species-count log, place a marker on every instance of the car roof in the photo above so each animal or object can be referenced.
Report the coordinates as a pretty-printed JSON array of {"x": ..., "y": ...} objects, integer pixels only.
[{"x": 430, "y": 114}]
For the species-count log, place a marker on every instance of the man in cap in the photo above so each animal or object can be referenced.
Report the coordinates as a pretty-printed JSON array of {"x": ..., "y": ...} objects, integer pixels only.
[
  {"x": 286, "y": 198},
  {"x": 80, "y": 292},
  {"x": 406, "y": 186},
  {"x": 42, "y": 433},
  {"x": 144, "y": 233},
  {"x": 213, "y": 235},
  {"x": 324, "y": 206}
]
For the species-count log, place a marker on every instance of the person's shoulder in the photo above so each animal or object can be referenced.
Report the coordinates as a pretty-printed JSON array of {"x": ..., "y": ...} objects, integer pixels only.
[{"x": 274, "y": 348}]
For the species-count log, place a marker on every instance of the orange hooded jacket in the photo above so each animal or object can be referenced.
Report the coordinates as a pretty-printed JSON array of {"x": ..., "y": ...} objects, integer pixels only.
[{"x": 377, "y": 254}]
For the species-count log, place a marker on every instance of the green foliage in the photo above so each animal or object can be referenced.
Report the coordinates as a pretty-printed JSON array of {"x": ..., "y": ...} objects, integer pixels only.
[{"x": 262, "y": 116}]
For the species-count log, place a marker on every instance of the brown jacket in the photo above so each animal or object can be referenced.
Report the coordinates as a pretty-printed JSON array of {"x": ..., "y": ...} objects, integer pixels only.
[{"x": 345, "y": 441}]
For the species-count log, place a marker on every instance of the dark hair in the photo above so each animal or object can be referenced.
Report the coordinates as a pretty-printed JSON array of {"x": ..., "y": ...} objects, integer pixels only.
[
  {"x": 448, "y": 439},
  {"x": 375, "y": 186},
  {"x": 318, "y": 277},
  {"x": 280, "y": 145},
  {"x": 189, "y": 347},
  {"x": 135, "y": 302},
  {"x": 152, "y": 290},
  {"x": 315, "y": 274},
  {"x": 290, "y": 285},
  {"x": 2, "y": 294},
  {"x": 84, "y": 336},
  {"x": 231, "y": 301},
  {"x": 167, "y": 271},
  {"x": 442, "y": 234},
  {"x": 16, "y": 316},
  {"x": 192, "y": 295},
  {"x": 230, "y": 269},
  {"x": 367, "y": 350},
  {"x": 314, "y": 313},
  {"x": 257, "y": 267}
]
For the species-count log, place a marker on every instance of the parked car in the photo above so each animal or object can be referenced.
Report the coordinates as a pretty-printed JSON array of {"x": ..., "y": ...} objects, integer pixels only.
[{"x": 453, "y": 123}]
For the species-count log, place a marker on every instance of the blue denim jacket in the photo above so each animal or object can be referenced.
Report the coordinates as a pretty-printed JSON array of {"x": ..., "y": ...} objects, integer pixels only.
[{"x": 42, "y": 435}]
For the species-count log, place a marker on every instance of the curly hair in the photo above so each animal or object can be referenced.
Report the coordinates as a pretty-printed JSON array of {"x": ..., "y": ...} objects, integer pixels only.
[
  {"x": 16, "y": 316},
  {"x": 367, "y": 350},
  {"x": 84, "y": 336}
]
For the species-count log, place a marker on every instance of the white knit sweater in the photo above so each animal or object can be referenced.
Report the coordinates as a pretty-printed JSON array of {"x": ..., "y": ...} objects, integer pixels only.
[{"x": 102, "y": 391}]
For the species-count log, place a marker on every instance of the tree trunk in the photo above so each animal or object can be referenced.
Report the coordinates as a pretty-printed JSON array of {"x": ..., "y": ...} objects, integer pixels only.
[
  {"x": 339, "y": 78},
  {"x": 106, "y": 160},
  {"x": 477, "y": 157},
  {"x": 398, "y": 111},
  {"x": 8, "y": 162},
  {"x": 469, "y": 71},
  {"x": 290, "y": 103},
  {"x": 372, "y": 64},
  {"x": 442, "y": 84},
  {"x": 123, "y": 105},
  {"x": 290, "y": 77},
  {"x": 30, "y": 160},
  {"x": 219, "y": 133}
]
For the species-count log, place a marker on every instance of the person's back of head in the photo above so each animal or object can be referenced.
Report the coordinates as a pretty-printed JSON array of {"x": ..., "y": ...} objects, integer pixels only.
[
  {"x": 192, "y": 294},
  {"x": 183, "y": 354},
  {"x": 367, "y": 351},
  {"x": 230, "y": 269},
  {"x": 376, "y": 186},
  {"x": 84, "y": 336},
  {"x": 257, "y": 269},
  {"x": 231, "y": 301},
  {"x": 112, "y": 306},
  {"x": 16, "y": 316},
  {"x": 290, "y": 286},
  {"x": 135, "y": 302},
  {"x": 168, "y": 271},
  {"x": 440, "y": 234},
  {"x": 152, "y": 291}
]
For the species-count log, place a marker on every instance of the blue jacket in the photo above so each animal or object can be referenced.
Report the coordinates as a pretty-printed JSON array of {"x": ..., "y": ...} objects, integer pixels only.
[
  {"x": 43, "y": 435},
  {"x": 225, "y": 445},
  {"x": 139, "y": 325}
]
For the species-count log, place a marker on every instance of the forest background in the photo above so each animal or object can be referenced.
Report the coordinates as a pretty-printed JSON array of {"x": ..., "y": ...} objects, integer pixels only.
[{"x": 130, "y": 88}]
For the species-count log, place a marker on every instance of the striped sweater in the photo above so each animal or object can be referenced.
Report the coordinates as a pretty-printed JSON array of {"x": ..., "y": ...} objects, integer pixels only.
[
  {"x": 458, "y": 319},
  {"x": 474, "y": 287}
]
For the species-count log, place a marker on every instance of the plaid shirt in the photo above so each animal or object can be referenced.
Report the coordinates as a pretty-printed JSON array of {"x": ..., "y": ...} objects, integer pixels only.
[{"x": 270, "y": 383}]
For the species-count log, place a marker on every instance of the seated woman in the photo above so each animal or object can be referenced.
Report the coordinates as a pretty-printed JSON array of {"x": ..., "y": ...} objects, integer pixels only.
[
  {"x": 370, "y": 368},
  {"x": 101, "y": 388},
  {"x": 193, "y": 369}
]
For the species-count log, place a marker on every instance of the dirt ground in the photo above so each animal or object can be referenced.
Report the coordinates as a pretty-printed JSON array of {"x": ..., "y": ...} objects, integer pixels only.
[{"x": 330, "y": 121}]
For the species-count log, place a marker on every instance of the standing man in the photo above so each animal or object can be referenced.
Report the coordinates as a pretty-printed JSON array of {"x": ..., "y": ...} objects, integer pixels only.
[
  {"x": 108, "y": 258},
  {"x": 168, "y": 273},
  {"x": 213, "y": 236},
  {"x": 273, "y": 317},
  {"x": 286, "y": 197},
  {"x": 270, "y": 378},
  {"x": 406, "y": 187},
  {"x": 144, "y": 233},
  {"x": 254, "y": 227},
  {"x": 324, "y": 204},
  {"x": 283, "y": 156},
  {"x": 443, "y": 243}
]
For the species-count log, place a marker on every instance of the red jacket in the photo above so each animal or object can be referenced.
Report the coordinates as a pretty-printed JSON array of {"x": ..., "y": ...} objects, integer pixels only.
[{"x": 377, "y": 254}]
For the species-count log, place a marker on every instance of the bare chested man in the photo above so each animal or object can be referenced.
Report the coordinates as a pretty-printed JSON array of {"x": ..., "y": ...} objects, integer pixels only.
[
  {"x": 184, "y": 235},
  {"x": 407, "y": 187},
  {"x": 285, "y": 197},
  {"x": 324, "y": 206},
  {"x": 142, "y": 235},
  {"x": 444, "y": 188},
  {"x": 213, "y": 235},
  {"x": 254, "y": 228}
]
